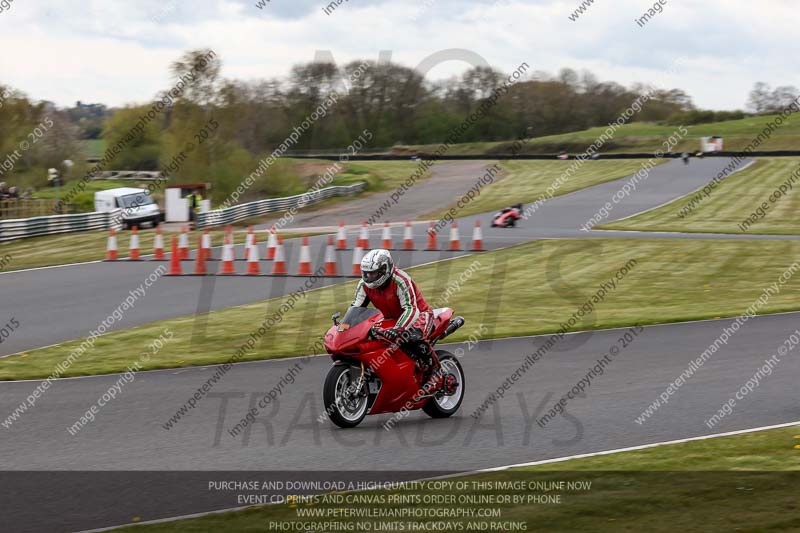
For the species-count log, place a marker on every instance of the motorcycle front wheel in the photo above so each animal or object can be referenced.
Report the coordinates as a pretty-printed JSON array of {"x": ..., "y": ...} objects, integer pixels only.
[{"x": 345, "y": 406}]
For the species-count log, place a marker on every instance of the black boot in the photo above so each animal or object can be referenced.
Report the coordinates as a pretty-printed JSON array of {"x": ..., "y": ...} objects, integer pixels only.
[{"x": 415, "y": 345}]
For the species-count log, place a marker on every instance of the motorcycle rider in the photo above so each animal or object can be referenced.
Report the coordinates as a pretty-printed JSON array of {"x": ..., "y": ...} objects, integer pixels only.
[{"x": 394, "y": 293}]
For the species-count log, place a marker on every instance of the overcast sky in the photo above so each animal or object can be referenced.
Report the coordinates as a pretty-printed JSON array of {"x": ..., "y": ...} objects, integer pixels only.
[{"x": 117, "y": 52}]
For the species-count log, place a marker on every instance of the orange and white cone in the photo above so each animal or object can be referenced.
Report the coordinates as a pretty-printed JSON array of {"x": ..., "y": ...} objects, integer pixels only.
[
  {"x": 408, "y": 237},
  {"x": 363, "y": 237},
  {"x": 205, "y": 245},
  {"x": 330, "y": 258},
  {"x": 432, "y": 246},
  {"x": 175, "y": 259},
  {"x": 477, "y": 237},
  {"x": 249, "y": 241},
  {"x": 387, "y": 236},
  {"x": 341, "y": 237},
  {"x": 228, "y": 265},
  {"x": 183, "y": 244},
  {"x": 304, "y": 269},
  {"x": 252, "y": 261},
  {"x": 133, "y": 248},
  {"x": 455, "y": 241},
  {"x": 111, "y": 246},
  {"x": 279, "y": 264},
  {"x": 158, "y": 246},
  {"x": 272, "y": 243},
  {"x": 358, "y": 255},
  {"x": 200, "y": 259}
]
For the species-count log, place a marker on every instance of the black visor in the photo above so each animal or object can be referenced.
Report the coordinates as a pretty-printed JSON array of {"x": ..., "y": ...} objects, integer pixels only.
[{"x": 374, "y": 275}]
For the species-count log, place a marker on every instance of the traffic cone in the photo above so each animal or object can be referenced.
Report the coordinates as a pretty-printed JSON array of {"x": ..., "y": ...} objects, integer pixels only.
[
  {"x": 249, "y": 241},
  {"x": 363, "y": 238},
  {"x": 408, "y": 237},
  {"x": 158, "y": 246},
  {"x": 228, "y": 265},
  {"x": 432, "y": 246},
  {"x": 200, "y": 259},
  {"x": 111, "y": 246},
  {"x": 272, "y": 242},
  {"x": 175, "y": 259},
  {"x": 358, "y": 255},
  {"x": 230, "y": 238},
  {"x": 330, "y": 258},
  {"x": 455, "y": 242},
  {"x": 304, "y": 269},
  {"x": 477, "y": 237},
  {"x": 133, "y": 248},
  {"x": 252, "y": 261},
  {"x": 279, "y": 264},
  {"x": 341, "y": 237},
  {"x": 205, "y": 245},
  {"x": 387, "y": 236},
  {"x": 183, "y": 244}
]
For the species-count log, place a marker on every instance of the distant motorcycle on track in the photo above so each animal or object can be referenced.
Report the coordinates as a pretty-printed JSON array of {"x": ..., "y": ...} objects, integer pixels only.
[
  {"x": 507, "y": 217},
  {"x": 370, "y": 377}
]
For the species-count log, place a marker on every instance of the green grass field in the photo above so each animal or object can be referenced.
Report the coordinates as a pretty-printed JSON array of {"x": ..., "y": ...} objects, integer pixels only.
[
  {"x": 534, "y": 288},
  {"x": 645, "y": 137},
  {"x": 730, "y": 204},
  {"x": 527, "y": 181},
  {"x": 743, "y": 483}
]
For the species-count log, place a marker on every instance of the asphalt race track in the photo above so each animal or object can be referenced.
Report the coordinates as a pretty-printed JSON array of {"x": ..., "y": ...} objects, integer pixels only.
[
  {"x": 130, "y": 434},
  {"x": 58, "y": 304}
]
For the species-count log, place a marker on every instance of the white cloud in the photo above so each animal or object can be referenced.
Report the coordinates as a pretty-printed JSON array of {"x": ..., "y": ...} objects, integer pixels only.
[{"x": 116, "y": 52}]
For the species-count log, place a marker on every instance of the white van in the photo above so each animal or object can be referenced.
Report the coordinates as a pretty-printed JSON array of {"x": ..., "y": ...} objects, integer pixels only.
[{"x": 136, "y": 204}]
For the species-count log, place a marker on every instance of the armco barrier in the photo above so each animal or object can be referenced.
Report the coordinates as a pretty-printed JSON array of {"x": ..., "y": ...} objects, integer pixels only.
[
  {"x": 221, "y": 217},
  {"x": 21, "y": 228}
]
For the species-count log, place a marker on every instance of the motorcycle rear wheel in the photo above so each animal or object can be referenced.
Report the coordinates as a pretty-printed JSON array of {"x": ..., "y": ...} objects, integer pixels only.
[
  {"x": 345, "y": 410},
  {"x": 445, "y": 406}
]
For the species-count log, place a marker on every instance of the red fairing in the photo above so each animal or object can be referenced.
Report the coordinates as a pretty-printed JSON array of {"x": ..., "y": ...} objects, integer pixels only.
[{"x": 513, "y": 214}]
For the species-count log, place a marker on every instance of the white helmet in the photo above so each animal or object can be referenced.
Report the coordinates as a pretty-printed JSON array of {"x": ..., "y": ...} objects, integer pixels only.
[{"x": 376, "y": 268}]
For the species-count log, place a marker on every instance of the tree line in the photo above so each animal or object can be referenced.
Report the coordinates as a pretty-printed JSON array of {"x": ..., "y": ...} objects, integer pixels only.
[{"x": 394, "y": 102}]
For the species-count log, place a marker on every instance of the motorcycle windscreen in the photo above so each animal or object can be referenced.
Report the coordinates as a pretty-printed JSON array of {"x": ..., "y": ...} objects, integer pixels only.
[{"x": 356, "y": 315}]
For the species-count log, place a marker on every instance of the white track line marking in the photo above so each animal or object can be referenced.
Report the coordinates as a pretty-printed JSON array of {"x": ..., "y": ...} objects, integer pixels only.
[
  {"x": 51, "y": 266},
  {"x": 495, "y": 469},
  {"x": 632, "y": 448}
]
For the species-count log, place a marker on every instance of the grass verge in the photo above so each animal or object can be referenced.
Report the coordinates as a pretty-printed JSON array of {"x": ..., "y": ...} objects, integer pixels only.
[
  {"x": 736, "y": 199},
  {"x": 522, "y": 290},
  {"x": 641, "y": 137},
  {"x": 741, "y": 483}
]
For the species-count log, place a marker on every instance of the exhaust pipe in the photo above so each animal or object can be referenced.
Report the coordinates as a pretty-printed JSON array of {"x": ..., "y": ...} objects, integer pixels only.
[{"x": 454, "y": 324}]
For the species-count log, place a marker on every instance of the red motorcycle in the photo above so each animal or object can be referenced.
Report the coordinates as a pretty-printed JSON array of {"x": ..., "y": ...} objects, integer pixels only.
[
  {"x": 507, "y": 217},
  {"x": 371, "y": 377}
]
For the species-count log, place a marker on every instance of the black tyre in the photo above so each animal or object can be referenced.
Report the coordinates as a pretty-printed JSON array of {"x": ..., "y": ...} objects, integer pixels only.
[
  {"x": 441, "y": 406},
  {"x": 344, "y": 407}
]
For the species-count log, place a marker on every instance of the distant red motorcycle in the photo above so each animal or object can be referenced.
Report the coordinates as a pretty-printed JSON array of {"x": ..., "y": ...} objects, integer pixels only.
[
  {"x": 370, "y": 377},
  {"x": 507, "y": 217}
]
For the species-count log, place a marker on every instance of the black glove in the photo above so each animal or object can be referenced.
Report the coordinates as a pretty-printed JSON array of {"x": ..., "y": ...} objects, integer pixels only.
[{"x": 388, "y": 334}]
